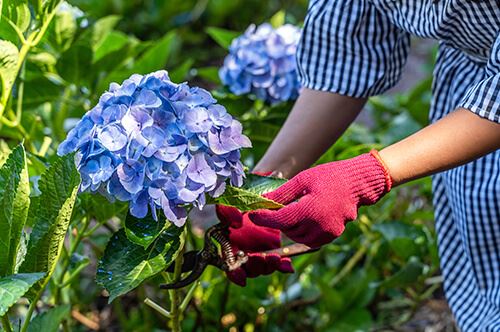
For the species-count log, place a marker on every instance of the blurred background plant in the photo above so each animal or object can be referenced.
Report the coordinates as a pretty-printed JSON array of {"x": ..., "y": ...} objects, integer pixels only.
[{"x": 55, "y": 63}]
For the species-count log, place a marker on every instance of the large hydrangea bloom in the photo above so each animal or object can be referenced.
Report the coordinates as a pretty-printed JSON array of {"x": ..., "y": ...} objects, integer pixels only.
[
  {"x": 157, "y": 144},
  {"x": 262, "y": 62}
]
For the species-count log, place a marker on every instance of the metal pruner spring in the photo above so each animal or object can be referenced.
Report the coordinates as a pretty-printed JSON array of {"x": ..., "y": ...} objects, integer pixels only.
[
  {"x": 226, "y": 260},
  {"x": 197, "y": 261}
]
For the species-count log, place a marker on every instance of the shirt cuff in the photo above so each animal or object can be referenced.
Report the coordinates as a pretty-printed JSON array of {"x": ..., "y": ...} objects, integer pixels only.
[{"x": 484, "y": 98}]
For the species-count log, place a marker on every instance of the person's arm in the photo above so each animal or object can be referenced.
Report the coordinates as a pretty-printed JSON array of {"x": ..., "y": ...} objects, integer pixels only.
[
  {"x": 456, "y": 139},
  {"x": 320, "y": 200},
  {"x": 316, "y": 121}
]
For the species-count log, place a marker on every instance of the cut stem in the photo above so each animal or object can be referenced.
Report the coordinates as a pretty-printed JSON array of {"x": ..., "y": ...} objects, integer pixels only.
[
  {"x": 188, "y": 296},
  {"x": 158, "y": 308}
]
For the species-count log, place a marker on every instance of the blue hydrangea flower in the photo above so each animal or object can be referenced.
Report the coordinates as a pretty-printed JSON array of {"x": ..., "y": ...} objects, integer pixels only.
[
  {"x": 157, "y": 144},
  {"x": 262, "y": 62}
]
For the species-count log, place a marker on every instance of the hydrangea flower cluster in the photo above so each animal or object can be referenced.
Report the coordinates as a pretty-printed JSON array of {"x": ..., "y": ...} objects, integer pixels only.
[
  {"x": 262, "y": 62},
  {"x": 157, "y": 144}
]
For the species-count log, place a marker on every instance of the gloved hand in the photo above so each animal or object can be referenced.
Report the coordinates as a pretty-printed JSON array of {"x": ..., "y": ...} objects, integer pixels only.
[
  {"x": 328, "y": 195},
  {"x": 252, "y": 239}
]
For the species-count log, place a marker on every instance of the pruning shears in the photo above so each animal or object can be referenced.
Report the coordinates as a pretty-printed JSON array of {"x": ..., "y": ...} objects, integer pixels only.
[{"x": 223, "y": 258}]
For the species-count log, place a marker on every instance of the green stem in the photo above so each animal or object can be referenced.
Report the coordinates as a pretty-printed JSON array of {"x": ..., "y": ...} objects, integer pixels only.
[
  {"x": 349, "y": 265},
  {"x": 45, "y": 146},
  {"x": 20, "y": 94},
  {"x": 93, "y": 229},
  {"x": 6, "y": 324},
  {"x": 33, "y": 306},
  {"x": 16, "y": 29},
  {"x": 44, "y": 28},
  {"x": 73, "y": 248},
  {"x": 72, "y": 276},
  {"x": 174, "y": 295}
]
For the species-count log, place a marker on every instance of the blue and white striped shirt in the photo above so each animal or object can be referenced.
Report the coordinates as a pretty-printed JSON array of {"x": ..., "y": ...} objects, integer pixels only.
[{"x": 359, "y": 47}]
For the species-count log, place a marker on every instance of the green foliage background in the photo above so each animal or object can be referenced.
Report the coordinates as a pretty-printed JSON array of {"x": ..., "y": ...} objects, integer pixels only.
[{"x": 372, "y": 278}]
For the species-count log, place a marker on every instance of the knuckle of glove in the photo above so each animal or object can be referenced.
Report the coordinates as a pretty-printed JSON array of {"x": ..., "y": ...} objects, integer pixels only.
[{"x": 229, "y": 215}]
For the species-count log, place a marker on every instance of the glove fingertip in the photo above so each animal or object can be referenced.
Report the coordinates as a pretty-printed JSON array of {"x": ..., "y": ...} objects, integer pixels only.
[
  {"x": 286, "y": 193},
  {"x": 262, "y": 218},
  {"x": 285, "y": 266},
  {"x": 238, "y": 276}
]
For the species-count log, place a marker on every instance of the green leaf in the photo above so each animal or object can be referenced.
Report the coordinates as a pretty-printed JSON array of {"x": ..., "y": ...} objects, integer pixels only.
[
  {"x": 397, "y": 229},
  {"x": 278, "y": 19},
  {"x": 223, "y": 37},
  {"x": 21, "y": 251},
  {"x": 356, "y": 320},
  {"x": 65, "y": 27},
  {"x": 13, "y": 287},
  {"x": 209, "y": 73},
  {"x": 125, "y": 265},
  {"x": 40, "y": 90},
  {"x": 51, "y": 217},
  {"x": 9, "y": 55},
  {"x": 97, "y": 33},
  {"x": 418, "y": 101},
  {"x": 50, "y": 320},
  {"x": 249, "y": 196},
  {"x": 14, "y": 203},
  {"x": 407, "y": 275},
  {"x": 100, "y": 208},
  {"x": 181, "y": 72},
  {"x": 400, "y": 127},
  {"x": 114, "y": 41},
  {"x": 74, "y": 64},
  {"x": 4, "y": 152},
  {"x": 19, "y": 13},
  {"x": 262, "y": 184},
  {"x": 152, "y": 59},
  {"x": 401, "y": 237},
  {"x": 42, "y": 59},
  {"x": 143, "y": 231},
  {"x": 262, "y": 131},
  {"x": 156, "y": 57},
  {"x": 7, "y": 32}
]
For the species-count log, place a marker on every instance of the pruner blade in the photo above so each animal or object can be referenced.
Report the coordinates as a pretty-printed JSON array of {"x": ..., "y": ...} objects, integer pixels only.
[{"x": 197, "y": 261}]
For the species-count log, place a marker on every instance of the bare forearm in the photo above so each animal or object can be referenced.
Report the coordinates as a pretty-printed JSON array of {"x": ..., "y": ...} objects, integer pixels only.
[
  {"x": 317, "y": 120},
  {"x": 452, "y": 141}
]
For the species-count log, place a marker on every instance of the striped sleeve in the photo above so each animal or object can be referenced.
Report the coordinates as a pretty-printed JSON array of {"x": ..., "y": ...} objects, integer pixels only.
[
  {"x": 349, "y": 47},
  {"x": 484, "y": 97}
]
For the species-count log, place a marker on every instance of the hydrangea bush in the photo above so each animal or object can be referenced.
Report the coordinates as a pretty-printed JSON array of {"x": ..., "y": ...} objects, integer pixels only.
[
  {"x": 157, "y": 144},
  {"x": 262, "y": 62}
]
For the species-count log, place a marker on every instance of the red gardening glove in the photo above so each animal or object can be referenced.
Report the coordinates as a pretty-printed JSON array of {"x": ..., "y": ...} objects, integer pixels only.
[
  {"x": 252, "y": 239},
  {"x": 328, "y": 195}
]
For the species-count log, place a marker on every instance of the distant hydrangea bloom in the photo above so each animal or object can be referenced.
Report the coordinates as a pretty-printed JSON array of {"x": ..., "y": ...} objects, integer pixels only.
[
  {"x": 157, "y": 144},
  {"x": 262, "y": 62}
]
